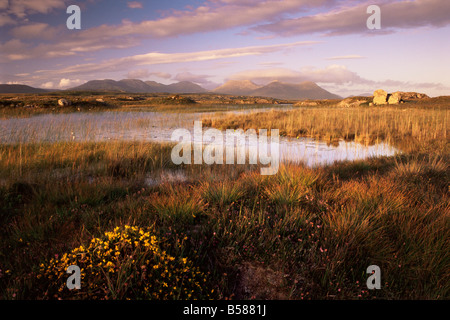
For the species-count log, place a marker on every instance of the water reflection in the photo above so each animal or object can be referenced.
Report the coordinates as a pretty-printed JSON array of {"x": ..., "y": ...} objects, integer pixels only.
[{"x": 158, "y": 127}]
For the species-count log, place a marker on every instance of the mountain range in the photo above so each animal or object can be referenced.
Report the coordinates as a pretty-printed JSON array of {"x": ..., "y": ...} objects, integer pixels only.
[
  {"x": 19, "y": 88},
  {"x": 139, "y": 86},
  {"x": 275, "y": 89}
]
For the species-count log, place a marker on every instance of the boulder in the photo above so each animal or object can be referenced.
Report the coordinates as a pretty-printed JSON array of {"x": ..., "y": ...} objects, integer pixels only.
[
  {"x": 380, "y": 97},
  {"x": 63, "y": 103},
  {"x": 413, "y": 95},
  {"x": 395, "y": 98}
]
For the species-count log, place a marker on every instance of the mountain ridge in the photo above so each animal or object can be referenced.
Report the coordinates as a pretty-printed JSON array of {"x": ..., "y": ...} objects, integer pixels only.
[
  {"x": 138, "y": 86},
  {"x": 275, "y": 89},
  {"x": 20, "y": 88}
]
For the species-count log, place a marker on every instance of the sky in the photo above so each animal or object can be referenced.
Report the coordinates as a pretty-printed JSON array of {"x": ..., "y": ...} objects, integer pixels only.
[{"x": 210, "y": 42}]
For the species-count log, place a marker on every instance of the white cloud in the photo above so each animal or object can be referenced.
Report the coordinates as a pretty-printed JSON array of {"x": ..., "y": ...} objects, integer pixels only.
[
  {"x": 48, "y": 85},
  {"x": 67, "y": 83}
]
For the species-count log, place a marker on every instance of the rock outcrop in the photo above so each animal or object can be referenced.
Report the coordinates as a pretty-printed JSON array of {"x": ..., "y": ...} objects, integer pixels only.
[
  {"x": 380, "y": 97},
  {"x": 351, "y": 102},
  {"x": 63, "y": 103},
  {"x": 395, "y": 98}
]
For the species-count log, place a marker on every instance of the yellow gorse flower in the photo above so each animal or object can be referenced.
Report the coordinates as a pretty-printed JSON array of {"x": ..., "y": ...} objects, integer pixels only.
[{"x": 129, "y": 253}]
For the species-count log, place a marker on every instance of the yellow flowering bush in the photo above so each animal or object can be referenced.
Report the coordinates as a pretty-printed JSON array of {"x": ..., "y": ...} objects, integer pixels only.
[{"x": 127, "y": 263}]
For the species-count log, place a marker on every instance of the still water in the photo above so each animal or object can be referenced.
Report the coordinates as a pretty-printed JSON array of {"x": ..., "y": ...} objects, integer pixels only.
[{"x": 158, "y": 127}]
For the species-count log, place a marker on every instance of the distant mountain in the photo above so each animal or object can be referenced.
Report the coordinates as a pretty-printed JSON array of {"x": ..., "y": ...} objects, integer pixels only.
[
  {"x": 20, "y": 88},
  {"x": 237, "y": 87},
  {"x": 277, "y": 89},
  {"x": 101, "y": 85},
  {"x": 139, "y": 86},
  {"x": 134, "y": 85},
  {"x": 184, "y": 87},
  {"x": 156, "y": 86}
]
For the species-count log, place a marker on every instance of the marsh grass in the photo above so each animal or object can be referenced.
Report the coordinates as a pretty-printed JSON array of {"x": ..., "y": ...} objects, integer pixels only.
[
  {"x": 410, "y": 129},
  {"x": 311, "y": 231}
]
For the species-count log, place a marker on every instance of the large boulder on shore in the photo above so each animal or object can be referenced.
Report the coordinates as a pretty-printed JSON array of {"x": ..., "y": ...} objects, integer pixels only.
[
  {"x": 380, "y": 97},
  {"x": 395, "y": 98},
  {"x": 412, "y": 95},
  {"x": 63, "y": 103}
]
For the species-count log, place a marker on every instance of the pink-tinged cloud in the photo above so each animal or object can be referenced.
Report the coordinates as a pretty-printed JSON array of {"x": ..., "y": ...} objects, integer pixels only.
[
  {"x": 333, "y": 76},
  {"x": 347, "y": 57},
  {"x": 201, "y": 79},
  {"x": 214, "y": 15},
  {"x": 154, "y": 58},
  {"x": 6, "y": 20},
  {"x": 35, "y": 30},
  {"x": 352, "y": 19},
  {"x": 145, "y": 74},
  {"x": 134, "y": 5},
  {"x": 211, "y": 16},
  {"x": 22, "y": 8}
]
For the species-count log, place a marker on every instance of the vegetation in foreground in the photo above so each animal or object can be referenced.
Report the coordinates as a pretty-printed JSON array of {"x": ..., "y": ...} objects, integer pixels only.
[
  {"x": 123, "y": 211},
  {"x": 301, "y": 234}
]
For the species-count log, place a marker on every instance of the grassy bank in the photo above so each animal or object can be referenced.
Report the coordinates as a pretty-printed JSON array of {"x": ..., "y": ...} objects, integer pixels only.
[
  {"x": 413, "y": 127},
  {"x": 218, "y": 231},
  {"x": 27, "y": 105}
]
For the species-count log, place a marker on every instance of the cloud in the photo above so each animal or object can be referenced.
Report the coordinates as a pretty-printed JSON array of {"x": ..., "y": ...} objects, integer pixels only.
[
  {"x": 353, "y": 56},
  {"x": 336, "y": 78},
  {"x": 352, "y": 19},
  {"x": 62, "y": 84},
  {"x": 201, "y": 79},
  {"x": 66, "y": 83},
  {"x": 335, "y": 74},
  {"x": 154, "y": 58},
  {"x": 145, "y": 74},
  {"x": 48, "y": 85},
  {"x": 213, "y": 15},
  {"x": 6, "y": 20},
  {"x": 34, "y": 30},
  {"x": 270, "y": 64},
  {"x": 134, "y": 5},
  {"x": 22, "y": 8},
  {"x": 14, "y": 49}
]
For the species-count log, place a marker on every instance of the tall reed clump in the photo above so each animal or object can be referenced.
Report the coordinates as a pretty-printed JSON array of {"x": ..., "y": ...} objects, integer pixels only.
[{"x": 413, "y": 129}]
